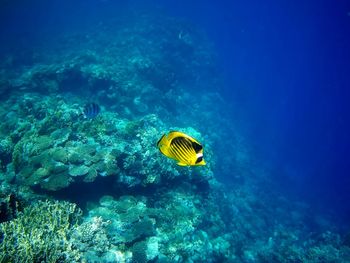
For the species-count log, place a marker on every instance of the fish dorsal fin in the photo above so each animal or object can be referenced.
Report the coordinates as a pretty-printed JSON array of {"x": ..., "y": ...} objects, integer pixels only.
[{"x": 174, "y": 134}]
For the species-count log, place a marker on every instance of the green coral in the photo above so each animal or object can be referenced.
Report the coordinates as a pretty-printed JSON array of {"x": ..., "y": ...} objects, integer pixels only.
[
  {"x": 59, "y": 154},
  {"x": 78, "y": 170},
  {"x": 41, "y": 233}
]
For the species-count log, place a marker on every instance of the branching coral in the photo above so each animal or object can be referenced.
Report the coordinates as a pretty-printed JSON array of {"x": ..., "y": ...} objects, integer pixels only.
[{"x": 41, "y": 234}]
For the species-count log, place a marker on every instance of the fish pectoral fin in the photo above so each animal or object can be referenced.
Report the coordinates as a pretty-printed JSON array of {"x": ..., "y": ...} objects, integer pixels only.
[{"x": 182, "y": 164}]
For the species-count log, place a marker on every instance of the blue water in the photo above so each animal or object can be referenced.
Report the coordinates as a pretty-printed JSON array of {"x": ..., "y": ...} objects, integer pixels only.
[
  {"x": 284, "y": 70},
  {"x": 287, "y": 68}
]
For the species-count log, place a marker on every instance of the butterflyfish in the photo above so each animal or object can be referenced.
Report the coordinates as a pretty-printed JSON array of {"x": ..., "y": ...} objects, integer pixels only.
[{"x": 181, "y": 147}]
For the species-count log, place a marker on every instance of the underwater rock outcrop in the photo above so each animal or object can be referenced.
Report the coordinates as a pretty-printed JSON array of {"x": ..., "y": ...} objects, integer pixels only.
[
  {"x": 166, "y": 229},
  {"x": 62, "y": 147}
]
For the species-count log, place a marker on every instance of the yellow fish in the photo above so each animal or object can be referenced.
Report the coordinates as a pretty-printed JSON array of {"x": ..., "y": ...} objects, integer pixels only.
[{"x": 182, "y": 148}]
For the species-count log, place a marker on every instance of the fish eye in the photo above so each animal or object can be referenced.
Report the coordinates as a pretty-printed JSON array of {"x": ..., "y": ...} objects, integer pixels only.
[{"x": 199, "y": 159}]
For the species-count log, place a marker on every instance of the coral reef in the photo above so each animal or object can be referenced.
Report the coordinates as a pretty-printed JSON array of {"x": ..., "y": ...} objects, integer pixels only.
[
  {"x": 164, "y": 229},
  {"x": 62, "y": 147},
  {"x": 41, "y": 233},
  {"x": 149, "y": 75}
]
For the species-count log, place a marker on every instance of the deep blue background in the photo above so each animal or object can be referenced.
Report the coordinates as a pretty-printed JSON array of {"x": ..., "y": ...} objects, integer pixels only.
[
  {"x": 287, "y": 65},
  {"x": 287, "y": 70}
]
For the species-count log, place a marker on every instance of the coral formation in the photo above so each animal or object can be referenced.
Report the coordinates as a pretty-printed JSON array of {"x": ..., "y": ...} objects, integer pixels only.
[
  {"x": 149, "y": 209},
  {"x": 86, "y": 149},
  {"x": 41, "y": 233}
]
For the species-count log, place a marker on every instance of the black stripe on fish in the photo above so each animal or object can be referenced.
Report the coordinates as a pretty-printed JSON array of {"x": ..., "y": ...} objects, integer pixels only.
[
  {"x": 188, "y": 145},
  {"x": 180, "y": 144},
  {"x": 185, "y": 151},
  {"x": 180, "y": 140},
  {"x": 91, "y": 110},
  {"x": 188, "y": 151},
  {"x": 177, "y": 155},
  {"x": 180, "y": 153}
]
